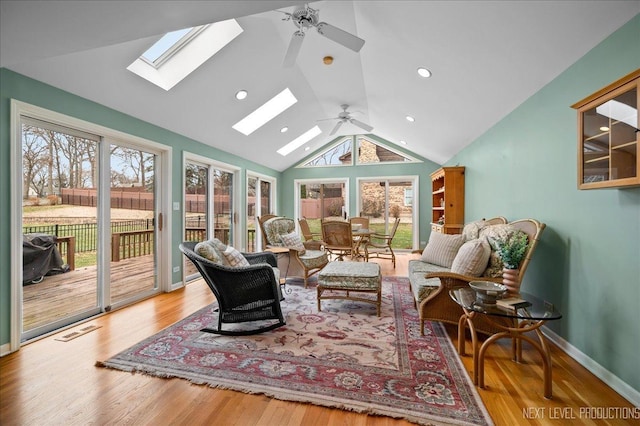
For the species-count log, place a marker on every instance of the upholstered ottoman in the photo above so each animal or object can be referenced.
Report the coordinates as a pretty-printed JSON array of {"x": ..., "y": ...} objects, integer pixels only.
[{"x": 350, "y": 277}]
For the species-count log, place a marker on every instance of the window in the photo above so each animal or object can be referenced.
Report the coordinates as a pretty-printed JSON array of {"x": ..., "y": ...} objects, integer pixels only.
[
  {"x": 338, "y": 154},
  {"x": 373, "y": 152}
]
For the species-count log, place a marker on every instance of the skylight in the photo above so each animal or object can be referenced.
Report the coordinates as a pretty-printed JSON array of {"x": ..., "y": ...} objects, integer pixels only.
[
  {"x": 169, "y": 42},
  {"x": 178, "y": 53},
  {"x": 266, "y": 112},
  {"x": 300, "y": 140}
]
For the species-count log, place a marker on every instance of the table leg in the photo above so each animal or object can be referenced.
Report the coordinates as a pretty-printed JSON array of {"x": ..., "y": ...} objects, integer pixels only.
[
  {"x": 541, "y": 347},
  {"x": 466, "y": 319}
]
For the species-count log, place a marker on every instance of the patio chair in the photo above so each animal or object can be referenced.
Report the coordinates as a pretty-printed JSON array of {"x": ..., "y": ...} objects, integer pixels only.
[
  {"x": 306, "y": 231},
  {"x": 244, "y": 293},
  {"x": 338, "y": 238},
  {"x": 303, "y": 259},
  {"x": 379, "y": 245}
]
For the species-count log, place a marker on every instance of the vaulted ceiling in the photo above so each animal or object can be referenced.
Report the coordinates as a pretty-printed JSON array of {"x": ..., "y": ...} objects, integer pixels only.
[{"x": 487, "y": 57}]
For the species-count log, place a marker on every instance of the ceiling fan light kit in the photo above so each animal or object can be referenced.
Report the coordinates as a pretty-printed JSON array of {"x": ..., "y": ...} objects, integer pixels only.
[{"x": 306, "y": 17}]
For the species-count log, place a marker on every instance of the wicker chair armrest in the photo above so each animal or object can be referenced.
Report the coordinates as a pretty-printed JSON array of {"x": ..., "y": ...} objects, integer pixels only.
[
  {"x": 313, "y": 244},
  {"x": 261, "y": 257},
  {"x": 451, "y": 280}
]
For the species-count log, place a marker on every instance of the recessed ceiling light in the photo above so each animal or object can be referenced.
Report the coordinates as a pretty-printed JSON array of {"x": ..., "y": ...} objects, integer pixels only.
[
  {"x": 300, "y": 140},
  {"x": 423, "y": 72},
  {"x": 266, "y": 112},
  {"x": 284, "y": 129},
  {"x": 410, "y": 119},
  {"x": 403, "y": 142},
  {"x": 241, "y": 94},
  {"x": 307, "y": 148}
]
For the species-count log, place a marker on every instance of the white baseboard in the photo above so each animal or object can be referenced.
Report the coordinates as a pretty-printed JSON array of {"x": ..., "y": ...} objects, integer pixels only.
[
  {"x": 175, "y": 286},
  {"x": 613, "y": 381},
  {"x": 5, "y": 349}
]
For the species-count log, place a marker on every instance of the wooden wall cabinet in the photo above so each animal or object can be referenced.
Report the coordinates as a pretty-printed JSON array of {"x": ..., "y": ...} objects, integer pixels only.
[
  {"x": 608, "y": 136},
  {"x": 447, "y": 193}
]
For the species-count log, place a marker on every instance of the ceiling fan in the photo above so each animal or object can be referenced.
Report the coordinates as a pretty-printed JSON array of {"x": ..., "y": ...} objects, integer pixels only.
[
  {"x": 304, "y": 17},
  {"x": 344, "y": 117}
]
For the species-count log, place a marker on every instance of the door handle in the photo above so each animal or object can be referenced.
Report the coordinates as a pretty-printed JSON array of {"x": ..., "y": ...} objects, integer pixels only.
[{"x": 160, "y": 222}]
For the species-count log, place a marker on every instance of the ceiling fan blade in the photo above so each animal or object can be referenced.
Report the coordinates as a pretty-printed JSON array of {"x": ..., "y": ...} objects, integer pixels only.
[
  {"x": 294, "y": 47},
  {"x": 340, "y": 36},
  {"x": 335, "y": 129},
  {"x": 361, "y": 125}
]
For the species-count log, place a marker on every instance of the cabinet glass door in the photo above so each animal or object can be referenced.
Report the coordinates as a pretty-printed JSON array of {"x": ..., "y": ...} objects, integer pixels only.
[{"x": 609, "y": 139}]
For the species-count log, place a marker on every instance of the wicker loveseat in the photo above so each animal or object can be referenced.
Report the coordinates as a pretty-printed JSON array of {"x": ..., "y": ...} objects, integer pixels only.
[{"x": 430, "y": 283}]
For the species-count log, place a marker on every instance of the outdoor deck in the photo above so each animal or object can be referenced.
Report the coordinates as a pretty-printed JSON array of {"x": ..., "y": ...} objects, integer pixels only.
[{"x": 60, "y": 295}]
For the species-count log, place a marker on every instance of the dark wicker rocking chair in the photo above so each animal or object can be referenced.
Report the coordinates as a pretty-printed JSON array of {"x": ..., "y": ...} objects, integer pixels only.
[{"x": 244, "y": 294}]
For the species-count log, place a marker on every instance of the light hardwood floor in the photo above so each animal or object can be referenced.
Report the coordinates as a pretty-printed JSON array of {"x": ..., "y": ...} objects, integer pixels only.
[{"x": 49, "y": 382}]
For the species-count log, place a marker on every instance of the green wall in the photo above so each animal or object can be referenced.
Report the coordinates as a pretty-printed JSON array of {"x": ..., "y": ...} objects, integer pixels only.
[
  {"x": 16, "y": 86},
  {"x": 422, "y": 169},
  {"x": 588, "y": 260}
]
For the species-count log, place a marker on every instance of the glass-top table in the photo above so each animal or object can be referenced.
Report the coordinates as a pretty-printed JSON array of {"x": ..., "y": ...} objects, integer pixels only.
[
  {"x": 514, "y": 323},
  {"x": 538, "y": 310}
]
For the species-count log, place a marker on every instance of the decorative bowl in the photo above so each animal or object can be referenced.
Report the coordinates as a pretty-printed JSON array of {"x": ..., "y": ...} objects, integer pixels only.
[{"x": 487, "y": 292}]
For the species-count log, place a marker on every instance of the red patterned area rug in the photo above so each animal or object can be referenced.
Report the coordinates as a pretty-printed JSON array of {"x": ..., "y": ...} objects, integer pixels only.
[{"x": 343, "y": 357}]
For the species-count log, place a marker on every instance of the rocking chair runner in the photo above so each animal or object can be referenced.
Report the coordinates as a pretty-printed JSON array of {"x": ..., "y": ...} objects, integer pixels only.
[{"x": 248, "y": 293}]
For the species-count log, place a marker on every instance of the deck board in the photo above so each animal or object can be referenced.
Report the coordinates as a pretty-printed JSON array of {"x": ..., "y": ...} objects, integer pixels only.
[{"x": 59, "y": 296}]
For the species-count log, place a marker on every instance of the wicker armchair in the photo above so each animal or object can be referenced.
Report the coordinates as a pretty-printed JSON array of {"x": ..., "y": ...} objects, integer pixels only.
[
  {"x": 295, "y": 262},
  {"x": 438, "y": 305},
  {"x": 249, "y": 293}
]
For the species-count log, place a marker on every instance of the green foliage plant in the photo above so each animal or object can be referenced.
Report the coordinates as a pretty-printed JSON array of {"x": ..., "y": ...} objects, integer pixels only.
[{"x": 513, "y": 250}]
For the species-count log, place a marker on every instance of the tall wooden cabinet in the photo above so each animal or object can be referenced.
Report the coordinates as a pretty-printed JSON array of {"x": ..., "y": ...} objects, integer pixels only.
[{"x": 447, "y": 196}]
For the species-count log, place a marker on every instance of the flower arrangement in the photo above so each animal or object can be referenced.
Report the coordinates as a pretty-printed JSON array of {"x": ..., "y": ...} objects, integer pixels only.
[{"x": 513, "y": 250}]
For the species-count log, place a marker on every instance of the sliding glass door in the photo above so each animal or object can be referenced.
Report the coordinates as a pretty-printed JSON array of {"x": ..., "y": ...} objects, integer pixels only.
[
  {"x": 197, "y": 219},
  {"x": 260, "y": 201},
  {"x": 59, "y": 226},
  {"x": 90, "y": 224},
  {"x": 209, "y": 204},
  {"x": 134, "y": 228},
  {"x": 317, "y": 201},
  {"x": 386, "y": 199}
]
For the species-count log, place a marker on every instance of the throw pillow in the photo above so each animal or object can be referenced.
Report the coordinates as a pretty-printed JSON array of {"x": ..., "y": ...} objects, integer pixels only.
[
  {"x": 442, "y": 249},
  {"x": 232, "y": 257},
  {"x": 293, "y": 240},
  {"x": 472, "y": 258},
  {"x": 471, "y": 231},
  {"x": 207, "y": 250}
]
